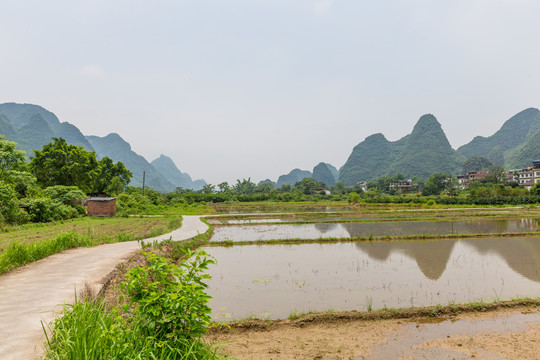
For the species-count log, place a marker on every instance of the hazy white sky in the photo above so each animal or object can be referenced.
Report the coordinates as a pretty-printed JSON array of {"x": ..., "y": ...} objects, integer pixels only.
[{"x": 255, "y": 88}]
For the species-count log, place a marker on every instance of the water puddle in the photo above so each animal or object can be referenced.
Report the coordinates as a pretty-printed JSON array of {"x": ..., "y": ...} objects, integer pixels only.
[
  {"x": 405, "y": 344},
  {"x": 330, "y": 230},
  {"x": 273, "y": 281}
]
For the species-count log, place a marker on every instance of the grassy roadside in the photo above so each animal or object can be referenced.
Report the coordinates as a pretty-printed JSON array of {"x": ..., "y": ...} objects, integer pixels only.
[
  {"x": 37, "y": 242},
  {"x": 135, "y": 227},
  {"x": 155, "y": 308}
]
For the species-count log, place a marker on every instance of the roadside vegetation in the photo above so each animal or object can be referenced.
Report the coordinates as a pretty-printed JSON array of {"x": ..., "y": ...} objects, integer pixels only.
[
  {"x": 20, "y": 247},
  {"x": 158, "y": 309}
]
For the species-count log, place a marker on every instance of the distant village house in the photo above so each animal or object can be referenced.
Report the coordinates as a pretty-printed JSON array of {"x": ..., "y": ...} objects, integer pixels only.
[
  {"x": 101, "y": 206},
  {"x": 405, "y": 185}
]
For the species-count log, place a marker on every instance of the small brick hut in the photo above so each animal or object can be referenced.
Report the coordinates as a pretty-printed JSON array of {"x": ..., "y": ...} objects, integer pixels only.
[{"x": 101, "y": 206}]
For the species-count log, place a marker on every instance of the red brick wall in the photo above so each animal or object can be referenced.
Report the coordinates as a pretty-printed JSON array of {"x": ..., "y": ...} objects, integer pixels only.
[{"x": 101, "y": 208}]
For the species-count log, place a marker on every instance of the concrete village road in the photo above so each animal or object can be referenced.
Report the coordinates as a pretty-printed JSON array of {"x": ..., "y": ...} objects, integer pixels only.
[{"x": 36, "y": 292}]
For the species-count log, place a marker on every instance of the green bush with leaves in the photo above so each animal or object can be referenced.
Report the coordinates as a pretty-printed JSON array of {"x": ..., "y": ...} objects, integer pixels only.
[
  {"x": 46, "y": 210},
  {"x": 9, "y": 208},
  {"x": 164, "y": 318},
  {"x": 168, "y": 301},
  {"x": 354, "y": 198},
  {"x": 67, "y": 195}
]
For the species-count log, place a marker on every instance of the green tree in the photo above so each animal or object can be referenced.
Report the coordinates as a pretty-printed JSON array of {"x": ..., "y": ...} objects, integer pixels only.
[
  {"x": 10, "y": 157},
  {"x": 224, "y": 187},
  {"x": 353, "y": 198},
  {"x": 476, "y": 163},
  {"x": 535, "y": 190},
  {"x": 339, "y": 188},
  {"x": 22, "y": 181},
  {"x": 357, "y": 188},
  {"x": 181, "y": 190},
  {"x": 64, "y": 194},
  {"x": 208, "y": 189},
  {"x": 115, "y": 187},
  {"x": 244, "y": 187},
  {"x": 286, "y": 188},
  {"x": 9, "y": 207},
  {"x": 59, "y": 163},
  {"x": 417, "y": 183},
  {"x": 497, "y": 176},
  {"x": 111, "y": 177},
  {"x": 265, "y": 188},
  {"x": 437, "y": 183},
  {"x": 308, "y": 186}
]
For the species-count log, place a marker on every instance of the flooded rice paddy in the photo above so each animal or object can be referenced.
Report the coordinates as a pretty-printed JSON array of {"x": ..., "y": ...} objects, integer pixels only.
[
  {"x": 273, "y": 281},
  {"x": 293, "y": 220},
  {"x": 346, "y": 230}
]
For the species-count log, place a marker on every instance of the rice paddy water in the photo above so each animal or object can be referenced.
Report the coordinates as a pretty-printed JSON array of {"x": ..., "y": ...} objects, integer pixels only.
[{"x": 273, "y": 281}]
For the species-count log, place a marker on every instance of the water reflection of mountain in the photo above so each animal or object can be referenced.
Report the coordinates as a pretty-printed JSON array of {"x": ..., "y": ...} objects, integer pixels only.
[
  {"x": 441, "y": 227},
  {"x": 430, "y": 256},
  {"x": 325, "y": 227},
  {"x": 521, "y": 254}
]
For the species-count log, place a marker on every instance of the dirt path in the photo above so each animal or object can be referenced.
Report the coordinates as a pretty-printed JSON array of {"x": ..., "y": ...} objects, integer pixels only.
[
  {"x": 502, "y": 334},
  {"x": 32, "y": 293}
]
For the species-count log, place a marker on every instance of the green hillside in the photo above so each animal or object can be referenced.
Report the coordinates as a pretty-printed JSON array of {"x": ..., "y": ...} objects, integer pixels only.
[
  {"x": 524, "y": 155},
  {"x": 32, "y": 126},
  {"x": 72, "y": 135},
  {"x": 20, "y": 114},
  {"x": 427, "y": 151},
  {"x": 6, "y": 128},
  {"x": 323, "y": 173},
  {"x": 501, "y": 147},
  {"x": 293, "y": 177},
  {"x": 370, "y": 159},
  {"x": 166, "y": 166},
  {"x": 423, "y": 152},
  {"x": 34, "y": 134},
  {"x": 118, "y": 149}
]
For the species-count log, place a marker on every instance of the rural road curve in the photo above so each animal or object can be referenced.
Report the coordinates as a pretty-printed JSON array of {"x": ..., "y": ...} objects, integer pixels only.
[{"x": 34, "y": 292}]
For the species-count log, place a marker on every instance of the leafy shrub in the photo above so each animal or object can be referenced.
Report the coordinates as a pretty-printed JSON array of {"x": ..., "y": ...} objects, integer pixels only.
[
  {"x": 167, "y": 300},
  {"x": 353, "y": 198},
  {"x": 17, "y": 254},
  {"x": 9, "y": 208},
  {"x": 166, "y": 314},
  {"x": 67, "y": 195},
  {"x": 46, "y": 210}
]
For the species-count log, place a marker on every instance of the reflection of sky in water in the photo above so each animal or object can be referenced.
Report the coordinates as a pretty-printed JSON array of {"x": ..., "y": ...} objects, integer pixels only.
[
  {"x": 277, "y": 279},
  {"x": 327, "y": 230}
]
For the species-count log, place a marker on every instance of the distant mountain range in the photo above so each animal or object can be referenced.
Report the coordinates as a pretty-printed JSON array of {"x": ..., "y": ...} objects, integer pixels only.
[
  {"x": 426, "y": 151},
  {"x": 514, "y": 145},
  {"x": 421, "y": 153},
  {"x": 324, "y": 172},
  {"x": 32, "y": 126}
]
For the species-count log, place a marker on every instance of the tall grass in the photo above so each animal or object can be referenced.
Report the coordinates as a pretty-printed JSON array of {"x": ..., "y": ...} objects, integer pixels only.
[
  {"x": 164, "y": 317},
  {"x": 17, "y": 254},
  {"x": 92, "y": 331}
]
